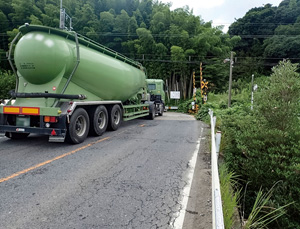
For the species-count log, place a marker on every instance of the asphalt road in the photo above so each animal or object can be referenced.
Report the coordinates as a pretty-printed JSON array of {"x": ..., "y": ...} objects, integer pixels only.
[{"x": 130, "y": 178}]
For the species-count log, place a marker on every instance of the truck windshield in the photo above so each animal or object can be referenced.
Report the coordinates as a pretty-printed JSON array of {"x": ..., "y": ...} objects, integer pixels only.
[{"x": 151, "y": 86}]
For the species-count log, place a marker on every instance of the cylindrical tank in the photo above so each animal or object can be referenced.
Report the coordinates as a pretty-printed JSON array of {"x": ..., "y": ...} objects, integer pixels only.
[{"x": 43, "y": 54}]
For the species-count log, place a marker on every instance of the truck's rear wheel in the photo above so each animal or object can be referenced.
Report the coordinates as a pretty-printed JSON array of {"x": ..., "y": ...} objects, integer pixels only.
[
  {"x": 115, "y": 117},
  {"x": 99, "y": 120},
  {"x": 78, "y": 127},
  {"x": 13, "y": 135},
  {"x": 161, "y": 110},
  {"x": 151, "y": 115}
]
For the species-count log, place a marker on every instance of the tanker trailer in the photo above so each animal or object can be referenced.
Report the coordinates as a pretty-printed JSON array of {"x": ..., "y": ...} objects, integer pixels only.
[{"x": 68, "y": 86}]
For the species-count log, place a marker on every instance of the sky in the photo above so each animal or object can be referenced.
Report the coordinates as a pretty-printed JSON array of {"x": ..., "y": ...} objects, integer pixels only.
[{"x": 221, "y": 12}]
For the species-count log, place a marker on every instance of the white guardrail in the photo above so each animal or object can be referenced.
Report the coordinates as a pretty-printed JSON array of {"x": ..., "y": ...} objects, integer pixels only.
[{"x": 217, "y": 211}]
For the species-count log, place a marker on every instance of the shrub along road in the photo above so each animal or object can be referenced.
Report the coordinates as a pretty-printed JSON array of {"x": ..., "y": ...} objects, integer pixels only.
[{"x": 131, "y": 178}]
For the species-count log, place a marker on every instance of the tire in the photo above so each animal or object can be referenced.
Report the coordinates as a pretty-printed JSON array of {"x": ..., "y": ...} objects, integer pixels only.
[
  {"x": 151, "y": 115},
  {"x": 115, "y": 117},
  {"x": 161, "y": 110},
  {"x": 78, "y": 127},
  {"x": 13, "y": 135},
  {"x": 98, "y": 120}
]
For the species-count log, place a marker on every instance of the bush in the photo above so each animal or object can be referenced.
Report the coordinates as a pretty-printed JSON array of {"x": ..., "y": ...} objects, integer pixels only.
[
  {"x": 185, "y": 106},
  {"x": 203, "y": 112},
  {"x": 263, "y": 145},
  {"x": 7, "y": 83}
]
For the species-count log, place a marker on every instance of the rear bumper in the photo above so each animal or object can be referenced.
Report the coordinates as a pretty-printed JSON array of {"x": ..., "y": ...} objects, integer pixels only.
[
  {"x": 33, "y": 130},
  {"x": 58, "y": 129}
]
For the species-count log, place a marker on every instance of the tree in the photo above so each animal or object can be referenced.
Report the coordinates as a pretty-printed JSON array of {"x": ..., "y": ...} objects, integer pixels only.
[
  {"x": 106, "y": 23},
  {"x": 7, "y": 83},
  {"x": 139, "y": 18},
  {"x": 145, "y": 8},
  {"x": 282, "y": 47},
  {"x": 4, "y": 22},
  {"x": 86, "y": 19},
  {"x": 179, "y": 70},
  {"x": 132, "y": 27},
  {"x": 121, "y": 29},
  {"x": 21, "y": 11},
  {"x": 50, "y": 16},
  {"x": 268, "y": 35},
  {"x": 34, "y": 20},
  {"x": 288, "y": 11}
]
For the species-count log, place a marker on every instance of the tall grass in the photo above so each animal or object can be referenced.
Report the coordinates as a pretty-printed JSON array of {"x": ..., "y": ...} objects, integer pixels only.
[
  {"x": 262, "y": 213},
  {"x": 230, "y": 197}
]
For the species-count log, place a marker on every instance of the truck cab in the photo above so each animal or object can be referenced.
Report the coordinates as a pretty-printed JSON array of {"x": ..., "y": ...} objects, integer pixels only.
[{"x": 156, "y": 89}]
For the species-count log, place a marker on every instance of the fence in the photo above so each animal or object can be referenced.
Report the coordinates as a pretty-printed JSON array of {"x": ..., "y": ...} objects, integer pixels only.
[{"x": 217, "y": 211}]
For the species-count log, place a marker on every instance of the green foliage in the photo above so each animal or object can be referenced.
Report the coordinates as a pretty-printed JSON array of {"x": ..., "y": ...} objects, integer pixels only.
[
  {"x": 185, "y": 106},
  {"x": 257, "y": 21},
  {"x": 203, "y": 112},
  {"x": 261, "y": 214},
  {"x": 282, "y": 46},
  {"x": 269, "y": 34},
  {"x": 7, "y": 83},
  {"x": 263, "y": 145},
  {"x": 230, "y": 192},
  {"x": 280, "y": 105},
  {"x": 216, "y": 73},
  {"x": 219, "y": 103}
]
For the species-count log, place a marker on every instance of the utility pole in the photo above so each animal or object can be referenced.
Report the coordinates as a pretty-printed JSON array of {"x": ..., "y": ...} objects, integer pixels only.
[
  {"x": 252, "y": 89},
  {"x": 230, "y": 79},
  {"x": 201, "y": 81},
  {"x": 62, "y": 16},
  {"x": 194, "y": 86}
]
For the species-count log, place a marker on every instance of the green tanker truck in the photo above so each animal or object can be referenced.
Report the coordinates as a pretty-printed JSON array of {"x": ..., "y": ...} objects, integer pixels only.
[{"x": 69, "y": 86}]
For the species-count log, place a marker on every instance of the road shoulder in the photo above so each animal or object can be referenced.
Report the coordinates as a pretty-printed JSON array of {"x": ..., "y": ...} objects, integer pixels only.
[{"x": 198, "y": 213}]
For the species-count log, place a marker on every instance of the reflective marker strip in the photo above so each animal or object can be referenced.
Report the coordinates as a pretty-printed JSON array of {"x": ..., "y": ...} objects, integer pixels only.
[
  {"x": 31, "y": 110},
  {"x": 22, "y": 110},
  {"x": 11, "y": 110}
]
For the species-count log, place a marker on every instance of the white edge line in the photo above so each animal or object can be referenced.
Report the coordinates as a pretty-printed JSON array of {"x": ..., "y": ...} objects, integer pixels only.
[{"x": 179, "y": 218}]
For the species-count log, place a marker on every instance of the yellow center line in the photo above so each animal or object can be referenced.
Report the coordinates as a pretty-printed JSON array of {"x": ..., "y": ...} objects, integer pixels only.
[{"x": 51, "y": 160}]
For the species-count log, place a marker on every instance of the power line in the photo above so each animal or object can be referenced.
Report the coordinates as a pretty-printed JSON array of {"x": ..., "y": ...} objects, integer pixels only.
[
  {"x": 217, "y": 23},
  {"x": 264, "y": 35},
  {"x": 195, "y": 58},
  {"x": 108, "y": 34},
  {"x": 204, "y": 61},
  {"x": 163, "y": 35}
]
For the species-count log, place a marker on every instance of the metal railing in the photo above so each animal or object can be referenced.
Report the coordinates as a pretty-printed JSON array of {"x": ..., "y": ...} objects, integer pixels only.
[{"x": 217, "y": 211}]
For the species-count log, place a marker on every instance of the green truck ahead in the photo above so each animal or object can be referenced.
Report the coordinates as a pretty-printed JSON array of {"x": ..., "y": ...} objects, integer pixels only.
[
  {"x": 69, "y": 87},
  {"x": 156, "y": 88}
]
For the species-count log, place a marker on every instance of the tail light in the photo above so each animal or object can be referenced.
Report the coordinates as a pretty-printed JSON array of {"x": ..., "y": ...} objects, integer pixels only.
[{"x": 51, "y": 119}]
